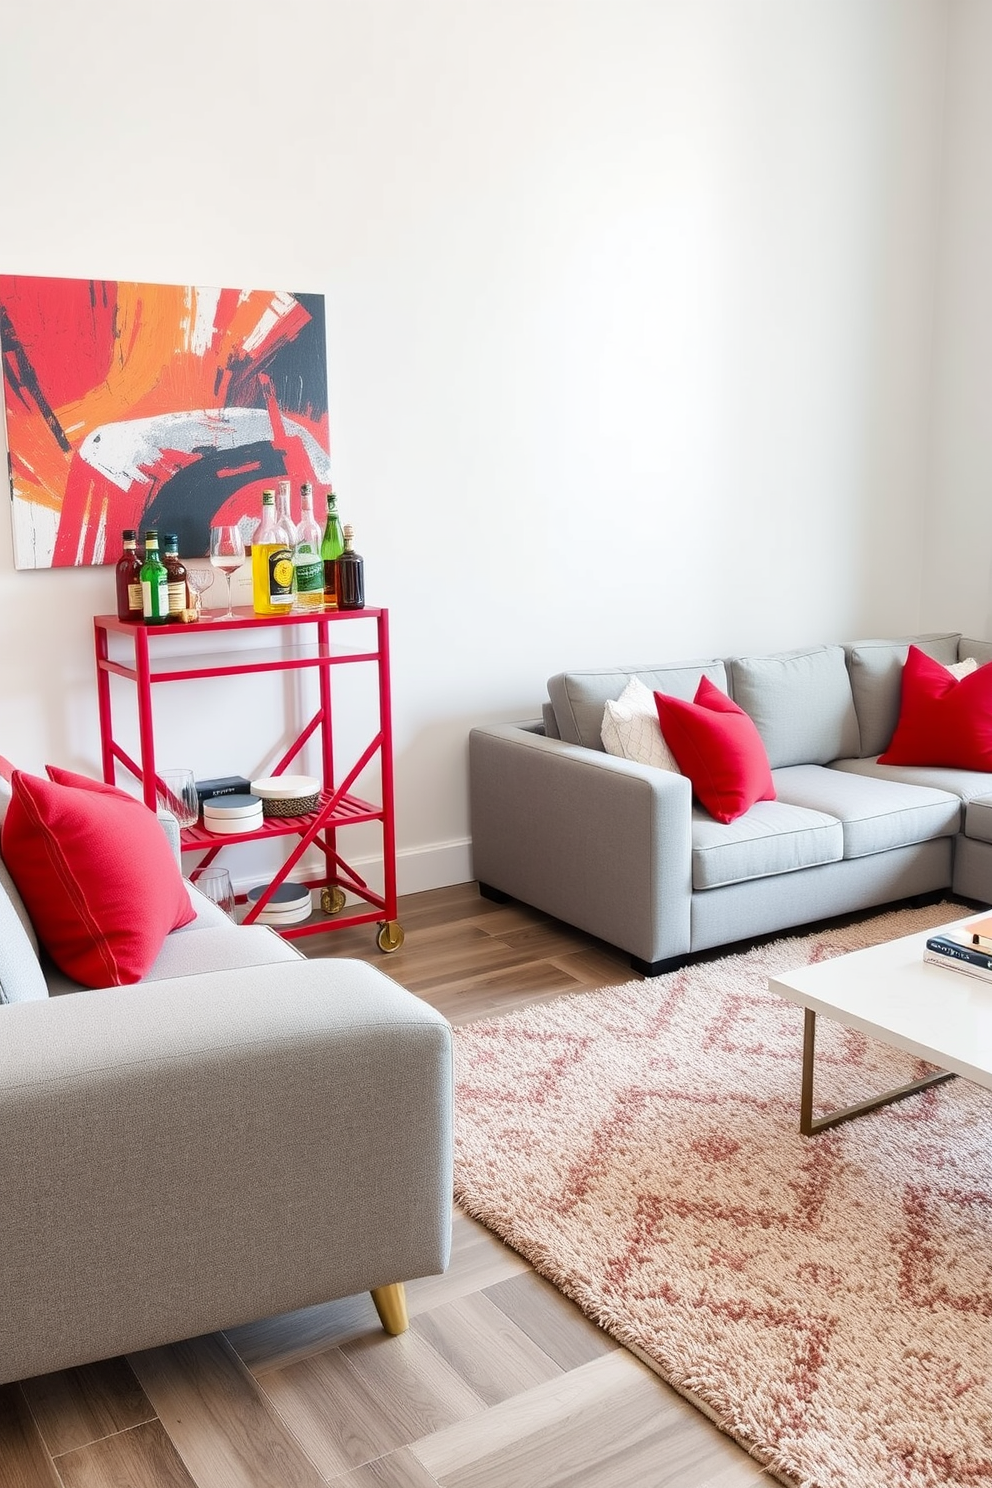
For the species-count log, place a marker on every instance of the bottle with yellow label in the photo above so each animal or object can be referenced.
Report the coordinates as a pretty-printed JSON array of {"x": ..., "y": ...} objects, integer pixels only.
[{"x": 271, "y": 563}]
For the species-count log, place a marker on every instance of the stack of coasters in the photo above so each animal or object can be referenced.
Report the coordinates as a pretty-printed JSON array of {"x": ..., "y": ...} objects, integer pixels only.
[
  {"x": 288, "y": 904},
  {"x": 238, "y": 813}
]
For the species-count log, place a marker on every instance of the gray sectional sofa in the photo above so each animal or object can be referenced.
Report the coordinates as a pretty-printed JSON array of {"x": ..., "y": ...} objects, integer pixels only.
[
  {"x": 243, "y": 1133},
  {"x": 621, "y": 849}
]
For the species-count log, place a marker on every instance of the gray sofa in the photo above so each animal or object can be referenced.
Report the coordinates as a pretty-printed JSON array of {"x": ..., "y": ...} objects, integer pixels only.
[
  {"x": 243, "y": 1133},
  {"x": 622, "y": 851}
]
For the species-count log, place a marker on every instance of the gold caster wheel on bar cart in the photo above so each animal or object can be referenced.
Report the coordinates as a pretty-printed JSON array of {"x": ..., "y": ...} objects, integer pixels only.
[
  {"x": 332, "y": 899},
  {"x": 390, "y": 936}
]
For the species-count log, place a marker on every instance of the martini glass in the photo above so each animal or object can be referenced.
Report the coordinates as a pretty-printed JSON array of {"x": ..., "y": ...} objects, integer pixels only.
[
  {"x": 199, "y": 581},
  {"x": 227, "y": 552}
]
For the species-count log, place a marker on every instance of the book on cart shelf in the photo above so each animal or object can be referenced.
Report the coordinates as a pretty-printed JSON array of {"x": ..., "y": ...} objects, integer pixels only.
[{"x": 956, "y": 955}]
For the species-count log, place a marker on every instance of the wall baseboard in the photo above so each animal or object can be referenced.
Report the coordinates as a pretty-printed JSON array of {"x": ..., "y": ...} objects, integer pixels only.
[{"x": 418, "y": 869}]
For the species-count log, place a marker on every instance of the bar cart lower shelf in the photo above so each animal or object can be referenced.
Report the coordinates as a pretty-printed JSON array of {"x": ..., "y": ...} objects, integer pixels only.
[{"x": 291, "y": 643}]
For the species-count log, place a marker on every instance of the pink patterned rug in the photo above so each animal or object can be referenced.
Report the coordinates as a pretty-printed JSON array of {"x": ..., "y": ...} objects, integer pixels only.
[{"x": 827, "y": 1300}]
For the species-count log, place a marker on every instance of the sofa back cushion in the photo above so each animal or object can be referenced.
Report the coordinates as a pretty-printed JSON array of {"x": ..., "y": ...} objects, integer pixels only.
[
  {"x": 579, "y": 698},
  {"x": 979, "y": 651},
  {"x": 801, "y": 704},
  {"x": 876, "y": 681}
]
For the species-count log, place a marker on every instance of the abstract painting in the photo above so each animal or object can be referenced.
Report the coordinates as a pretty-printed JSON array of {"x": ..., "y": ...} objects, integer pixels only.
[{"x": 154, "y": 405}]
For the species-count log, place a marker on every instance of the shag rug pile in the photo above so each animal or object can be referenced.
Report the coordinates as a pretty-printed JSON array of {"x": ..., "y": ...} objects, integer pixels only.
[{"x": 826, "y": 1300}]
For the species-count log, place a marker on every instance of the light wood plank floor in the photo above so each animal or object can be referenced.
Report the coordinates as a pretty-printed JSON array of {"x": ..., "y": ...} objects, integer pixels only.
[{"x": 499, "y": 1383}]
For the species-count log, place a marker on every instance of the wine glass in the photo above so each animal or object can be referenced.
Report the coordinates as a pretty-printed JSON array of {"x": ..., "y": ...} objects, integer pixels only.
[
  {"x": 176, "y": 791},
  {"x": 199, "y": 581},
  {"x": 227, "y": 552},
  {"x": 215, "y": 883}
]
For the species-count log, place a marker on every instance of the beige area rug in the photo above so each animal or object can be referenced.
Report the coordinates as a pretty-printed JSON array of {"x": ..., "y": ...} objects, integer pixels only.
[{"x": 827, "y": 1300}]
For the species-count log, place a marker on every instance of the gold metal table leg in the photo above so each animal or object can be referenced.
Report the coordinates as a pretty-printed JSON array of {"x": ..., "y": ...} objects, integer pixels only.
[
  {"x": 390, "y": 1304},
  {"x": 810, "y": 1125}
]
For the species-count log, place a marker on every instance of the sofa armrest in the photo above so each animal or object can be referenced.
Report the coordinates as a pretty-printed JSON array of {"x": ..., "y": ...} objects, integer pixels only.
[
  {"x": 596, "y": 841},
  {"x": 192, "y": 1154}
]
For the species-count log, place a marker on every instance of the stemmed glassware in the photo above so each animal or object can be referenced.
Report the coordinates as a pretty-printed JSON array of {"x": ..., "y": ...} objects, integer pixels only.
[
  {"x": 199, "y": 581},
  {"x": 227, "y": 552}
]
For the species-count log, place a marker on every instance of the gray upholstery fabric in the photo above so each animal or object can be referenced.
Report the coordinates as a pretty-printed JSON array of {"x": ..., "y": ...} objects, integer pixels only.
[
  {"x": 801, "y": 704},
  {"x": 973, "y": 869},
  {"x": 550, "y": 721},
  {"x": 771, "y": 838},
  {"x": 876, "y": 681},
  {"x": 203, "y": 1152},
  {"x": 579, "y": 698},
  {"x": 592, "y": 839},
  {"x": 965, "y": 784},
  {"x": 978, "y": 819},
  {"x": 980, "y": 650},
  {"x": 762, "y": 906},
  {"x": 21, "y": 978},
  {"x": 876, "y": 815},
  {"x": 211, "y": 948}
]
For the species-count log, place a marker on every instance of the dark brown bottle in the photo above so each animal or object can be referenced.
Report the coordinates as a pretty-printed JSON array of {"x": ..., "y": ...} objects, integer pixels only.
[
  {"x": 349, "y": 575},
  {"x": 178, "y": 592},
  {"x": 129, "y": 579}
]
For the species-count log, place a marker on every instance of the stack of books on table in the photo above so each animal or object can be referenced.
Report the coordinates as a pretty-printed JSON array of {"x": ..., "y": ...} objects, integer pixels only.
[{"x": 968, "y": 948}]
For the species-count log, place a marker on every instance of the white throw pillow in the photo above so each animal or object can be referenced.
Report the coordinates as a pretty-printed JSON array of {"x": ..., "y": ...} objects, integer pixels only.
[
  {"x": 631, "y": 729},
  {"x": 964, "y": 668}
]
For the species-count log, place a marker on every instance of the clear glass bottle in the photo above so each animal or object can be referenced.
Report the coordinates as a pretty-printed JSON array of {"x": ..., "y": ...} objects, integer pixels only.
[
  {"x": 331, "y": 548},
  {"x": 283, "y": 513},
  {"x": 129, "y": 578},
  {"x": 350, "y": 575},
  {"x": 179, "y": 599},
  {"x": 271, "y": 563},
  {"x": 307, "y": 561},
  {"x": 154, "y": 584}
]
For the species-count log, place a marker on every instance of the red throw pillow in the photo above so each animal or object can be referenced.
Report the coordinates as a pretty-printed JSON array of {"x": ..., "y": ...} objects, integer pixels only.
[
  {"x": 96, "y": 873},
  {"x": 716, "y": 744},
  {"x": 942, "y": 721}
]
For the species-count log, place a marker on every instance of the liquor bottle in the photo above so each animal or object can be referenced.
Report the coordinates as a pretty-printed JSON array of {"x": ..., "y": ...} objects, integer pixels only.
[
  {"x": 283, "y": 514},
  {"x": 307, "y": 562},
  {"x": 350, "y": 575},
  {"x": 154, "y": 584},
  {"x": 129, "y": 578},
  {"x": 178, "y": 592},
  {"x": 271, "y": 563},
  {"x": 331, "y": 548}
]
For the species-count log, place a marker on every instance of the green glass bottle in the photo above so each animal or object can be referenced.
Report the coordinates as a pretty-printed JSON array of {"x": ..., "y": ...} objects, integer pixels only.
[
  {"x": 154, "y": 584},
  {"x": 331, "y": 548}
]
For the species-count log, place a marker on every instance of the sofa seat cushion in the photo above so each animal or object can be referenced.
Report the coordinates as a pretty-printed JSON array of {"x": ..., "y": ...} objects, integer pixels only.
[
  {"x": 772, "y": 837},
  {"x": 978, "y": 819},
  {"x": 876, "y": 814},
  {"x": 579, "y": 698},
  {"x": 218, "y": 948},
  {"x": 965, "y": 784}
]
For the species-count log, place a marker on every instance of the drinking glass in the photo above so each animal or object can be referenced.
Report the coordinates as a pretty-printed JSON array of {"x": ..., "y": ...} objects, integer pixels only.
[
  {"x": 215, "y": 883},
  {"x": 199, "y": 581},
  {"x": 176, "y": 791},
  {"x": 227, "y": 552}
]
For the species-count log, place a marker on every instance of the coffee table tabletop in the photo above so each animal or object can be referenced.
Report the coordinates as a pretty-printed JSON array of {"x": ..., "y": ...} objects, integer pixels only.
[{"x": 890, "y": 993}]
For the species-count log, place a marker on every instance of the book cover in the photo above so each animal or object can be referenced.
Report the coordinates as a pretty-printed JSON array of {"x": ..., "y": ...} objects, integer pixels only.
[
  {"x": 954, "y": 963},
  {"x": 952, "y": 952},
  {"x": 979, "y": 932}
]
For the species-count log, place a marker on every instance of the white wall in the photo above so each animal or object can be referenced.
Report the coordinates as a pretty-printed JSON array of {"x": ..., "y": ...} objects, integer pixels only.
[
  {"x": 957, "y": 574},
  {"x": 630, "y": 307}
]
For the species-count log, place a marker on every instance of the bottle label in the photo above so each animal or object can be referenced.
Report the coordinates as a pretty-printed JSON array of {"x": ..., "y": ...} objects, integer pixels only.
[
  {"x": 309, "y": 572},
  {"x": 134, "y": 601},
  {"x": 279, "y": 562},
  {"x": 155, "y": 598},
  {"x": 177, "y": 596}
]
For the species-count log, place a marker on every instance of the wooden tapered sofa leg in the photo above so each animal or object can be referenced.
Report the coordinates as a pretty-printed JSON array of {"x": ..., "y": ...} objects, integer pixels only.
[{"x": 390, "y": 1304}]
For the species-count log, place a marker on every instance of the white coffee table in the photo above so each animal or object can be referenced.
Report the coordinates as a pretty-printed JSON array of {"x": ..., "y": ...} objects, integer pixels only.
[{"x": 890, "y": 993}]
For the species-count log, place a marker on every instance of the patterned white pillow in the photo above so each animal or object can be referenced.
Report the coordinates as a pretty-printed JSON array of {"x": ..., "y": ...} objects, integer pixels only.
[
  {"x": 631, "y": 729},
  {"x": 964, "y": 668}
]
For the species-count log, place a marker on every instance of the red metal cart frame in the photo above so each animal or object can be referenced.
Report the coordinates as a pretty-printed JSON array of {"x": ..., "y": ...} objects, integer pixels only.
[{"x": 309, "y": 649}]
